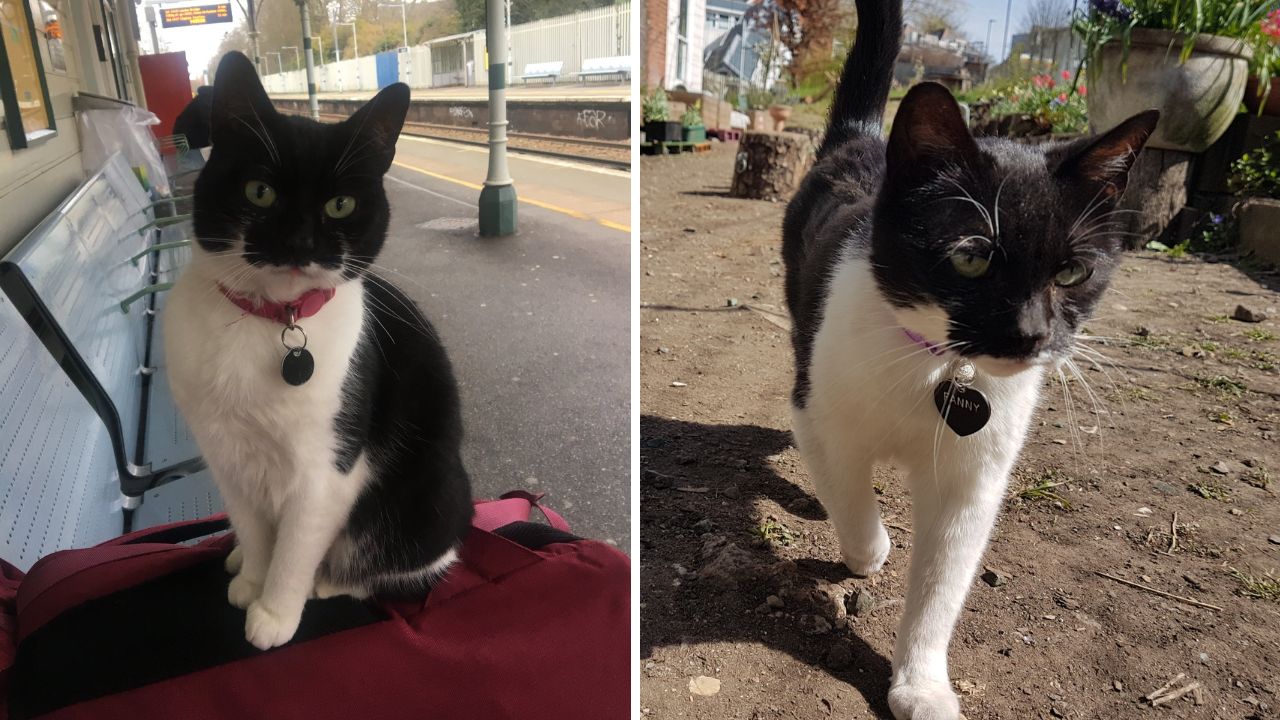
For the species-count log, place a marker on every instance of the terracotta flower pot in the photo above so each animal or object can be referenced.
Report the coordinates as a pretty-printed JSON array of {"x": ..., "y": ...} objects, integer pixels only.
[
  {"x": 1252, "y": 101},
  {"x": 780, "y": 115},
  {"x": 1197, "y": 99}
]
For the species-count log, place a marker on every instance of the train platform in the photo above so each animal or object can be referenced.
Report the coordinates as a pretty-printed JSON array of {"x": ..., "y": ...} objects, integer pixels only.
[{"x": 537, "y": 325}]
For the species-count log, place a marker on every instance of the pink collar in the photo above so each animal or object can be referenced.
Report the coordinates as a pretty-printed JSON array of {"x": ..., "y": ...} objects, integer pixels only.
[
  {"x": 287, "y": 313},
  {"x": 918, "y": 339}
]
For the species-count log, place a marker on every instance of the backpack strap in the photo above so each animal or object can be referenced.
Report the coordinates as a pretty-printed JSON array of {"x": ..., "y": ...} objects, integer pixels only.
[
  {"x": 175, "y": 532},
  {"x": 515, "y": 506}
]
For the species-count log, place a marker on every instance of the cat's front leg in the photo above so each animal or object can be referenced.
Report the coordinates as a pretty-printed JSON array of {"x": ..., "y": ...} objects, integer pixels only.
[
  {"x": 841, "y": 475},
  {"x": 953, "y": 518},
  {"x": 309, "y": 524},
  {"x": 255, "y": 537}
]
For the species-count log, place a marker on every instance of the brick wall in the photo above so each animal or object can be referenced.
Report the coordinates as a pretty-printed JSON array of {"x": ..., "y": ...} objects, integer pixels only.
[{"x": 653, "y": 40}]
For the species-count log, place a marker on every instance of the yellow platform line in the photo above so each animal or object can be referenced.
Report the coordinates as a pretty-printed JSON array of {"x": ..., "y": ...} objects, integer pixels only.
[{"x": 536, "y": 203}]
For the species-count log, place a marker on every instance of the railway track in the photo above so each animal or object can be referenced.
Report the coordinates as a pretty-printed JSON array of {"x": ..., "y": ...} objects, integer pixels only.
[{"x": 599, "y": 152}]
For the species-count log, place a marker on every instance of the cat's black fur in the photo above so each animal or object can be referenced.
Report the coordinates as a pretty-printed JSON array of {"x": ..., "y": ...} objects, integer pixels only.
[
  {"x": 895, "y": 201},
  {"x": 400, "y": 404}
]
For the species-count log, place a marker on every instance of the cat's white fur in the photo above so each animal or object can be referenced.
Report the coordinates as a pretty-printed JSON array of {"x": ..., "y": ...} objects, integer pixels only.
[
  {"x": 270, "y": 446},
  {"x": 871, "y": 401}
]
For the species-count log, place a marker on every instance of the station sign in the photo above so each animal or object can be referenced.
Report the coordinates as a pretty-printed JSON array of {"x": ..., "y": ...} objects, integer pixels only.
[{"x": 193, "y": 15}]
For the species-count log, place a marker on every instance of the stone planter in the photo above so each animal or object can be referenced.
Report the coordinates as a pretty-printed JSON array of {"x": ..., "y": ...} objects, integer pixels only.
[
  {"x": 1252, "y": 101},
  {"x": 759, "y": 119},
  {"x": 1197, "y": 99},
  {"x": 695, "y": 134},
  {"x": 1259, "y": 218}
]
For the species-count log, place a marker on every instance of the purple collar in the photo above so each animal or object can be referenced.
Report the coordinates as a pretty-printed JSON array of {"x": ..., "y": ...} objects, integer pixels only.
[{"x": 918, "y": 339}]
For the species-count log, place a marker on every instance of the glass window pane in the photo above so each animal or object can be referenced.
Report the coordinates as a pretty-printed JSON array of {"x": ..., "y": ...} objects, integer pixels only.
[
  {"x": 22, "y": 64},
  {"x": 48, "y": 17}
]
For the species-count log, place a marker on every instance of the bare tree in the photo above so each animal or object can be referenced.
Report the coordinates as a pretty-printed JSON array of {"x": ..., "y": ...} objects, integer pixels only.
[
  {"x": 932, "y": 16},
  {"x": 1046, "y": 14}
]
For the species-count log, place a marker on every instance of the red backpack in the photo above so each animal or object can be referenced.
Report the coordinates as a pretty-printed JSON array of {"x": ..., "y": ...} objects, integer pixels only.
[{"x": 532, "y": 623}]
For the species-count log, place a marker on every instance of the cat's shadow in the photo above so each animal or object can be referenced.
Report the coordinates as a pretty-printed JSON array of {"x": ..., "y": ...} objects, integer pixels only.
[{"x": 699, "y": 481}]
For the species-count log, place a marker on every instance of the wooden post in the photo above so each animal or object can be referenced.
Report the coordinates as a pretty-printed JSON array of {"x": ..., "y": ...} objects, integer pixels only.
[
  {"x": 1157, "y": 190},
  {"x": 770, "y": 165}
]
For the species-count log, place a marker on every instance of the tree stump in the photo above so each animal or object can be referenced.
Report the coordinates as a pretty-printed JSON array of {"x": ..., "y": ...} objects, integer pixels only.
[
  {"x": 1157, "y": 191},
  {"x": 770, "y": 165}
]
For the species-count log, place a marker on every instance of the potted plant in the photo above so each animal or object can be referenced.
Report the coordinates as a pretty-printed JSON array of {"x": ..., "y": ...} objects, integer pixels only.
[
  {"x": 658, "y": 126},
  {"x": 693, "y": 130},
  {"x": 1188, "y": 58},
  {"x": 1255, "y": 177},
  {"x": 1262, "y": 93}
]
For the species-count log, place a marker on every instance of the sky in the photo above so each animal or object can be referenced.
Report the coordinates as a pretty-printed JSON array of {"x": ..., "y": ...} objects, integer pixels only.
[{"x": 976, "y": 14}]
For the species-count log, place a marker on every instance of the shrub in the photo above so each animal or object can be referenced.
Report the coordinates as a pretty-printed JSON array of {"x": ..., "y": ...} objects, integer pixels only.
[
  {"x": 654, "y": 108},
  {"x": 1257, "y": 173}
]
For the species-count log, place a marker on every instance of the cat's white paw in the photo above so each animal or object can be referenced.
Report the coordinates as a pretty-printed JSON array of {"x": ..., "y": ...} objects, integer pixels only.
[
  {"x": 924, "y": 700},
  {"x": 265, "y": 629},
  {"x": 234, "y": 560},
  {"x": 243, "y": 591},
  {"x": 865, "y": 559}
]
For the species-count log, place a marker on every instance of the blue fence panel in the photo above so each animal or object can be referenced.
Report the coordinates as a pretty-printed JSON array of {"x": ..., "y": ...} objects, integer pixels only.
[{"x": 388, "y": 68}]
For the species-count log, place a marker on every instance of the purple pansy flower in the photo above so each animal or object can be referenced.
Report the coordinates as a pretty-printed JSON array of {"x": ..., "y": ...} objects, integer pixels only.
[
  {"x": 1113, "y": 8},
  {"x": 1216, "y": 218}
]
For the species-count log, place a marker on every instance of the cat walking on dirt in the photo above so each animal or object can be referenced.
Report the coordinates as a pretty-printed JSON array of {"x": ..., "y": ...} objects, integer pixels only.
[
  {"x": 320, "y": 397},
  {"x": 933, "y": 281}
]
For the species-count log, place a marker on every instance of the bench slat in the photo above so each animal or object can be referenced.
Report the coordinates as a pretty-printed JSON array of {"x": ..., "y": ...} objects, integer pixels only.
[
  {"x": 188, "y": 498},
  {"x": 58, "y": 485}
]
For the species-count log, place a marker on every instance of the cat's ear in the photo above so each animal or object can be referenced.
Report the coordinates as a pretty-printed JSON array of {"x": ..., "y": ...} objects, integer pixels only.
[
  {"x": 1103, "y": 164},
  {"x": 929, "y": 133},
  {"x": 239, "y": 102},
  {"x": 377, "y": 125}
]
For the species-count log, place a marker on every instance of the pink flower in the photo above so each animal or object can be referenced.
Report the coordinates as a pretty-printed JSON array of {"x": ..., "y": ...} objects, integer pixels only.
[
  {"x": 1062, "y": 97},
  {"x": 1066, "y": 74},
  {"x": 1271, "y": 24},
  {"x": 1084, "y": 91}
]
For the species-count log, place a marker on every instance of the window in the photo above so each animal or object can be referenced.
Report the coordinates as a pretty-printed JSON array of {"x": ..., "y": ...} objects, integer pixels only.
[
  {"x": 50, "y": 26},
  {"x": 27, "y": 113}
]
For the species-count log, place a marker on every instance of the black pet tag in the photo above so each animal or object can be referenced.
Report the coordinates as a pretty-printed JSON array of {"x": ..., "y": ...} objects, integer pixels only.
[
  {"x": 298, "y": 366},
  {"x": 965, "y": 410},
  {"x": 298, "y": 363}
]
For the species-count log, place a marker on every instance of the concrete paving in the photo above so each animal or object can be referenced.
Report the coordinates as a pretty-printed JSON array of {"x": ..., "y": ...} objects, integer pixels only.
[
  {"x": 537, "y": 91},
  {"x": 537, "y": 325}
]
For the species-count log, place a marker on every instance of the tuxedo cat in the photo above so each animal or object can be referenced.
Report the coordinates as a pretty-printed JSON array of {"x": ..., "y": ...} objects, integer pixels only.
[
  {"x": 933, "y": 280},
  {"x": 319, "y": 395}
]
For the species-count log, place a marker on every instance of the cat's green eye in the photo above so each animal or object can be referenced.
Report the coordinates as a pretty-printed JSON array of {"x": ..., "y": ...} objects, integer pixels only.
[
  {"x": 340, "y": 207},
  {"x": 260, "y": 193},
  {"x": 1073, "y": 273},
  {"x": 969, "y": 263}
]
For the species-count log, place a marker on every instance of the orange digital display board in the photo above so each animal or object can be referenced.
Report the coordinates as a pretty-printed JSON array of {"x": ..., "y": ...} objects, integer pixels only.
[{"x": 195, "y": 15}]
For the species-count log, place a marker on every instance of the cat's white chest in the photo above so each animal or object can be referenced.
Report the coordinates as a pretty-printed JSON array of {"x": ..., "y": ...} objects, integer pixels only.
[
  {"x": 877, "y": 385},
  {"x": 224, "y": 367}
]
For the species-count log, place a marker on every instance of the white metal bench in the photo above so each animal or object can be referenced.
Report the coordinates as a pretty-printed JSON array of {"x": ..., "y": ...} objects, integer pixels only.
[
  {"x": 543, "y": 71},
  {"x": 88, "y": 282},
  {"x": 605, "y": 66}
]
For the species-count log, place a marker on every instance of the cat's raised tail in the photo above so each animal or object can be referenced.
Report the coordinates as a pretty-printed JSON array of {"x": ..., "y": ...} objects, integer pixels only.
[{"x": 868, "y": 74}]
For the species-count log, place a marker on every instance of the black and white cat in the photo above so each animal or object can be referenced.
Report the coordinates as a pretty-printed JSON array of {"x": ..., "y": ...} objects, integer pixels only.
[
  {"x": 340, "y": 463},
  {"x": 933, "y": 274}
]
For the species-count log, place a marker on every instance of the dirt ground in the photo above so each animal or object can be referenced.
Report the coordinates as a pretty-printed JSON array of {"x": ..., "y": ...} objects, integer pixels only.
[{"x": 741, "y": 575}]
